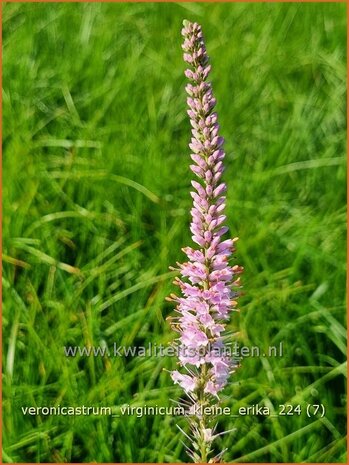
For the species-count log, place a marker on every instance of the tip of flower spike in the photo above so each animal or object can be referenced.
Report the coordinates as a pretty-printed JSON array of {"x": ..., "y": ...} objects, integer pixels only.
[{"x": 186, "y": 23}]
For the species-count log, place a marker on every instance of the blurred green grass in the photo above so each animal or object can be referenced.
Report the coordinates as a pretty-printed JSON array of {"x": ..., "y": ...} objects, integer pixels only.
[{"x": 96, "y": 203}]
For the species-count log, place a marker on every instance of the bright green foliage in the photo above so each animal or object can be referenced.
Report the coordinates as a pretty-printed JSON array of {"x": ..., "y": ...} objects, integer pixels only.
[{"x": 96, "y": 207}]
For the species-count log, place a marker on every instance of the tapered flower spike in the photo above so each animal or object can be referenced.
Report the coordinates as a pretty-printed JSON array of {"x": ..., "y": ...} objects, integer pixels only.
[{"x": 208, "y": 284}]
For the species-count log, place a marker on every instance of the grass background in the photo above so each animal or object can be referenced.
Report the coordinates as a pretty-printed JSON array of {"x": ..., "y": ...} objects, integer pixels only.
[{"x": 96, "y": 202}]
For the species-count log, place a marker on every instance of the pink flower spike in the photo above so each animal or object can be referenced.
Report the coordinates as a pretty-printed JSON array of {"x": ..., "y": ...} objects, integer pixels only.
[{"x": 207, "y": 281}]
